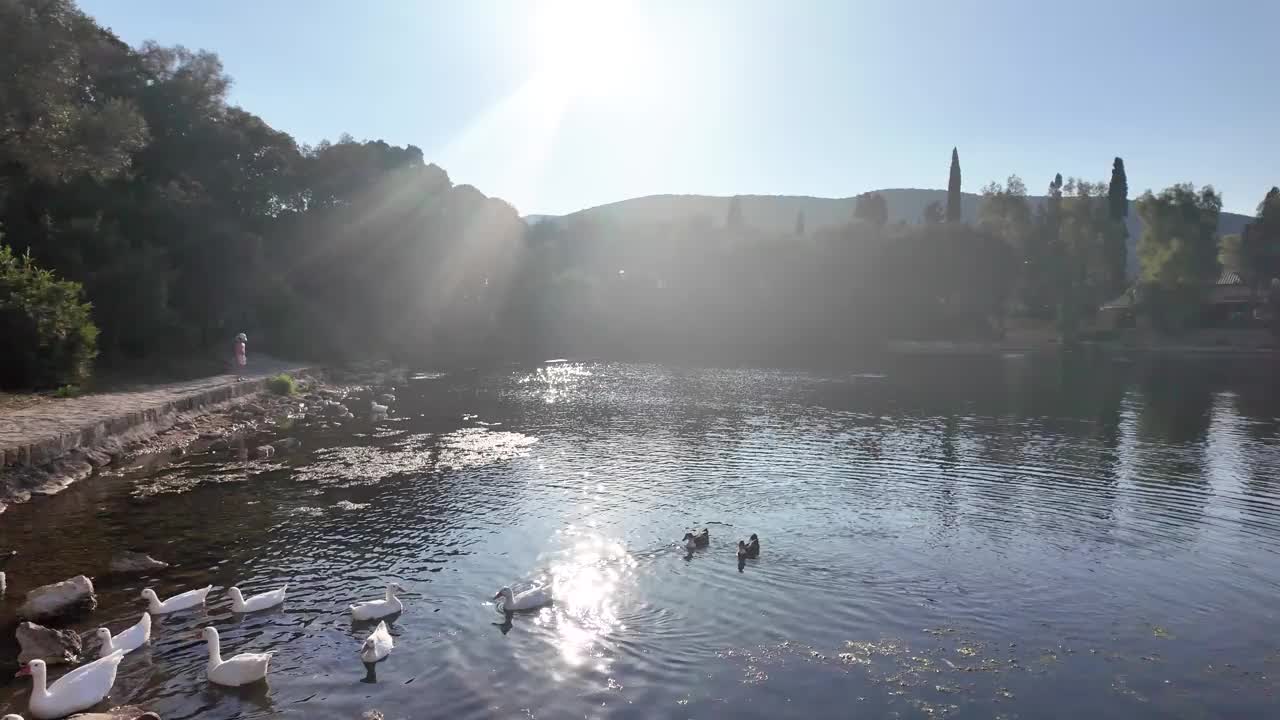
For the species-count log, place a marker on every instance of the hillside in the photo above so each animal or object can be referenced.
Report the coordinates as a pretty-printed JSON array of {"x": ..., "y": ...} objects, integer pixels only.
[{"x": 777, "y": 213}]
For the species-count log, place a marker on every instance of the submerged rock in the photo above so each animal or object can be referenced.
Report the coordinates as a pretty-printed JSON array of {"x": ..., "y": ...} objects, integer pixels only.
[
  {"x": 59, "y": 599},
  {"x": 127, "y": 561},
  {"x": 55, "y": 647}
]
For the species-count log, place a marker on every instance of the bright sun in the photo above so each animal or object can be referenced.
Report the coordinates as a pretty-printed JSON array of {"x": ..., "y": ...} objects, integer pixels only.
[{"x": 593, "y": 48}]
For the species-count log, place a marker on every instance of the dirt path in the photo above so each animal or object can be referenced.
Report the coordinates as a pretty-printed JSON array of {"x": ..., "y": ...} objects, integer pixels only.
[{"x": 41, "y": 432}]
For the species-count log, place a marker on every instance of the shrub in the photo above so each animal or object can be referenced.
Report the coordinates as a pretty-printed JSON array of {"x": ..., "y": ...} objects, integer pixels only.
[
  {"x": 49, "y": 336},
  {"x": 283, "y": 384}
]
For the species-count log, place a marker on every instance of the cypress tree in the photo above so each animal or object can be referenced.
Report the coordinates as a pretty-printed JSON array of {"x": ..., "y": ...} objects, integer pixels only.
[
  {"x": 1118, "y": 192},
  {"x": 953, "y": 188}
]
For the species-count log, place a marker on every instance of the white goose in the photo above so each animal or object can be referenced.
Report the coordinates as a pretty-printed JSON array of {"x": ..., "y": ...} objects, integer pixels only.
[
  {"x": 258, "y": 602},
  {"x": 188, "y": 599},
  {"x": 237, "y": 670},
  {"x": 528, "y": 600},
  {"x": 374, "y": 609},
  {"x": 78, "y": 690},
  {"x": 378, "y": 645},
  {"x": 128, "y": 640}
]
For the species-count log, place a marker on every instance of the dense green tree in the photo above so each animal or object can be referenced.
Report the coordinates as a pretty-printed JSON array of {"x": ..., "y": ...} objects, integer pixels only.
[
  {"x": 60, "y": 116},
  {"x": 954, "y": 214},
  {"x": 872, "y": 208},
  {"x": 1260, "y": 243},
  {"x": 1178, "y": 251}
]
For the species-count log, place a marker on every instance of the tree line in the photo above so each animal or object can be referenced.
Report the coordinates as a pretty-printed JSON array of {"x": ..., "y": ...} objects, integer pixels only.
[{"x": 148, "y": 218}]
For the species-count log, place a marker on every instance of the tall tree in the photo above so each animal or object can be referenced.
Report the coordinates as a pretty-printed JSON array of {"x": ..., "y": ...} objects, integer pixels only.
[
  {"x": 872, "y": 208},
  {"x": 953, "y": 189},
  {"x": 1178, "y": 251},
  {"x": 799, "y": 231},
  {"x": 59, "y": 116},
  {"x": 733, "y": 220},
  {"x": 1116, "y": 246},
  {"x": 1260, "y": 243},
  {"x": 1118, "y": 192}
]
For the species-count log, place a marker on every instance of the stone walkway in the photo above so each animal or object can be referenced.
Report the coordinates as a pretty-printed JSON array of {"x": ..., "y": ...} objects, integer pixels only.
[{"x": 39, "y": 434}]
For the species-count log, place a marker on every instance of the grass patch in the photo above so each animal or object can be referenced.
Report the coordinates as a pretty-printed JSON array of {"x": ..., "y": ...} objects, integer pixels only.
[
  {"x": 69, "y": 391},
  {"x": 283, "y": 384}
]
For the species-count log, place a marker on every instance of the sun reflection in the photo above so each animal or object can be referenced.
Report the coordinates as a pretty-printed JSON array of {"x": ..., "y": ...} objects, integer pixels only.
[
  {"x": 557, "y": 380},
  {"x": 586, "y": 582}
]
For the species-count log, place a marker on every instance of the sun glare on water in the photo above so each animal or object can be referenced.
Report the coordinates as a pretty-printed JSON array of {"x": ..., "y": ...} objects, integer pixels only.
[{"x": 593, "y": 48}]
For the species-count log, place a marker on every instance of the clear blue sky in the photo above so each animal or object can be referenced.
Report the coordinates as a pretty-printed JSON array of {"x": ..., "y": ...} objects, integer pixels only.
[{"x": 556, "y": 109}]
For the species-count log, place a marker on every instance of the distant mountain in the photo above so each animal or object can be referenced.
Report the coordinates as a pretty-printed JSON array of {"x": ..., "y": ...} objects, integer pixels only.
[{"x": 777, "y": 213}]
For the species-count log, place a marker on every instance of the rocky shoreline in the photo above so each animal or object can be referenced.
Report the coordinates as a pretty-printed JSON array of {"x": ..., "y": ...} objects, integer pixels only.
[{"x": 322, "y": 399}]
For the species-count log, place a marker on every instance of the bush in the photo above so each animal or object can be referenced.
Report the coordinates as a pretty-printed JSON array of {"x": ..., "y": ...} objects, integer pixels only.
[
  {"x": 49, "y": 336},
  {"x": 283, "y": 384}
]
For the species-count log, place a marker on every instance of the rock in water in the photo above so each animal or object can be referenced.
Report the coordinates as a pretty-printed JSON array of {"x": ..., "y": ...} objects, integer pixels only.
[
  {"x": 127, "y": 561},
  {"x": 387, "y": 399},
  {"x": 52, "y": 646},
  {"x": 286, "y": 445},
  {"x": 263, "y": 452},
  {"x": 59, "y": 599}
]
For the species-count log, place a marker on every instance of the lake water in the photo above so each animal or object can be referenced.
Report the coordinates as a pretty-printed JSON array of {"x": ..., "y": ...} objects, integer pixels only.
[{"x": 1011, "y": 537}]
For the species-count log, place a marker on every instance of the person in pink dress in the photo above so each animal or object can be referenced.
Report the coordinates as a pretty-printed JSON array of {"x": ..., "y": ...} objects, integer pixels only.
[{"x": 241, "y": 359}]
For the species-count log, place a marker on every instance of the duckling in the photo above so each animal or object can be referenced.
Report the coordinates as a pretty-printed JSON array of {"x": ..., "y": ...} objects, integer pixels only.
[
  {"x": 703, "y": 538},
  {"x": 753, "y": 547},
  {"x": 742, "y": 550},
  {"x": 689, "y": 543}
]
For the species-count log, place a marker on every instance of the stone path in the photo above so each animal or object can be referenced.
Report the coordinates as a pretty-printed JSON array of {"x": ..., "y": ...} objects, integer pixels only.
[{"x": 38, "y": 434}]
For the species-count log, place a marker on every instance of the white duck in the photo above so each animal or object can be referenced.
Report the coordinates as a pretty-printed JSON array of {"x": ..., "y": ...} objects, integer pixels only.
[
  {"x": 78, "y": 690},
  {"x": 378, "y": 645},
  {"x": 258, "y": 602},
  {"x": 374, "y": 609},
  {"x": 237, "y": 670},
  {"x": 528, "y": 600},
  {"x": 376, "y": 409},
  {"x": 128, "y": 640},
  {"x": 188, "y": 599}
]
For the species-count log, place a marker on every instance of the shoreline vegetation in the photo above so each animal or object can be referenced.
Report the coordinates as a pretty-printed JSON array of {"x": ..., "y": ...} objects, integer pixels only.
[{"x": 146, "y": 217}]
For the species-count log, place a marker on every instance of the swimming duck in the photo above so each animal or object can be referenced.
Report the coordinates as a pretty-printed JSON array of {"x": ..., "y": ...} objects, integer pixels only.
[
  {"x": 702, "y": 539},
  {"x": 753, "y": 547},
  {"x": 376, "y": 409},
  {"x": 527, "y": 600},
  {"x": 258, "y": 602},
  {"x": 237, "y": 670},
  {"x": 127, "y": 640},
  {"x": 78, "y": 690},
  {"x": 182, "y": 601},
  {"x": 378, "y": 645},
  {"x": 742, "y": 550},
  {"x": 374, "y": 609}
]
